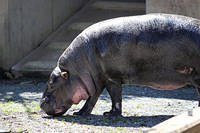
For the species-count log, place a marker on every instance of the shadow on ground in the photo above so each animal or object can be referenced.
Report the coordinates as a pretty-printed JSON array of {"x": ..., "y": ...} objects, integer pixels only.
[
  {"x": 21, "y": 89},
  {"x": 26, "y": 92},
  {"x": 17, "y": 89},
  {"x": 99, "y": 120}
]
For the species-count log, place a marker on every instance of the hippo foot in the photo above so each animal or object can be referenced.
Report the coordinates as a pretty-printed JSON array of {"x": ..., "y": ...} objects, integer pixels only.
[
  {"x": 112, "y": 113},
  {"x": 81, "y": 113}
]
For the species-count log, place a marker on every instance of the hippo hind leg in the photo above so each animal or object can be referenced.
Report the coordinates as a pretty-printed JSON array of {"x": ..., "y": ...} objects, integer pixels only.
[
  {"x": 195, "y": 77},
  {"x": 115, "y": 91},
  {"x": 196, "y": 83}
]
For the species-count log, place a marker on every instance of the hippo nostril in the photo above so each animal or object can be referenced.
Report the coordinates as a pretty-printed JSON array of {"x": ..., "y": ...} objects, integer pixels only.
[{"x": 46, "y": 100}]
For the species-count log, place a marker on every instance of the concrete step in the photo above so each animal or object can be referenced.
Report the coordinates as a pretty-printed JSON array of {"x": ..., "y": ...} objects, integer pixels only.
[
  {"x": 116, "y": 5},
  {"x": 64, "y": 35},
  {"x": 39, "y": 65},
  {"x": 80, "y": 25},
  {"x": 138, "y": 1},
  {"x": 94, "y": 15},
  {"x": 44, "y": 58},
  {"x": 58, "y": 45}
]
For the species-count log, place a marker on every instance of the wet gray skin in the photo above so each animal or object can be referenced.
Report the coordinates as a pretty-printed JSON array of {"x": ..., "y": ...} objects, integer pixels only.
[{"x": 157, "y": 50}]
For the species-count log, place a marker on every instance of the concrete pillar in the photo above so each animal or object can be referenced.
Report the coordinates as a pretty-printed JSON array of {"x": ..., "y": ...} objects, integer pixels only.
[{"x": 183, "y": 7}]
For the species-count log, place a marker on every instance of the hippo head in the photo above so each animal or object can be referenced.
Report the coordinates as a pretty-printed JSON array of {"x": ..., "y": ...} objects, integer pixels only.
[{"x": 63, "y": 89}]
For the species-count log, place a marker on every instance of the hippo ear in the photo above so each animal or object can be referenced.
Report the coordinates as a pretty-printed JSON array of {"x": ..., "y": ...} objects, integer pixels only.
[{"x": 64, "y": 75}]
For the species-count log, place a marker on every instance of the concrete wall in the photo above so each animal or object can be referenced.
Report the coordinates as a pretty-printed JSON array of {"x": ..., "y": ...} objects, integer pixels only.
[
  {"x": 24, "y": 24},
  {"x": 3, "y": 32},
  {"x": 183, "y": 7},
  {"x": 62, "y": 9}
]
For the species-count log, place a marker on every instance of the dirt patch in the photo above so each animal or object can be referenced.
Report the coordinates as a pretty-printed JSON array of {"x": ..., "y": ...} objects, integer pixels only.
[{"x": 143, "y": 108}]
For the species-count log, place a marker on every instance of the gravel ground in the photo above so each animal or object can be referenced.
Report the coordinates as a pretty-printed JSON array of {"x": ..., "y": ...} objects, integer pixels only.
[{"x": 143, "y": 108}]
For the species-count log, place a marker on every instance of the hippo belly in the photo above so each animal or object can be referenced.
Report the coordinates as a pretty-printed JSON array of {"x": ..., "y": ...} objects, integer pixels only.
[{"x": 161, "y": 67}]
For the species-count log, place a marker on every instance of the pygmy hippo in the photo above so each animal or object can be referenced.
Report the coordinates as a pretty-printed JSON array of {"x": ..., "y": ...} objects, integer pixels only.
[{"x": 157, "y": 50}]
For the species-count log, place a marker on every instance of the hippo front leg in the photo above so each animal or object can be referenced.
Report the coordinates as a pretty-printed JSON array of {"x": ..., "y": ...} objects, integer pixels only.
[
  {"x": 90, "y": 103},
  {"x": 115, "y": 91}
]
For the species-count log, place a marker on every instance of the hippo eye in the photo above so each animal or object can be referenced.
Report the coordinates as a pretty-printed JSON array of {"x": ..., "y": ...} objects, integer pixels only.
[{"x": 49, "y": 86}]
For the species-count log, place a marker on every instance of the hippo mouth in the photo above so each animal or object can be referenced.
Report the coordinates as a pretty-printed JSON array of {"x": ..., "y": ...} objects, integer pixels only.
[
  {"x": 59, "y": 111},
  {"x": 50, "y": 107}
]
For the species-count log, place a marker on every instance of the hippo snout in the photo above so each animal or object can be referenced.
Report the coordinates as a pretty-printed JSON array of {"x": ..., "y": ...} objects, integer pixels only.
[{"x": 46, "y": 106}]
